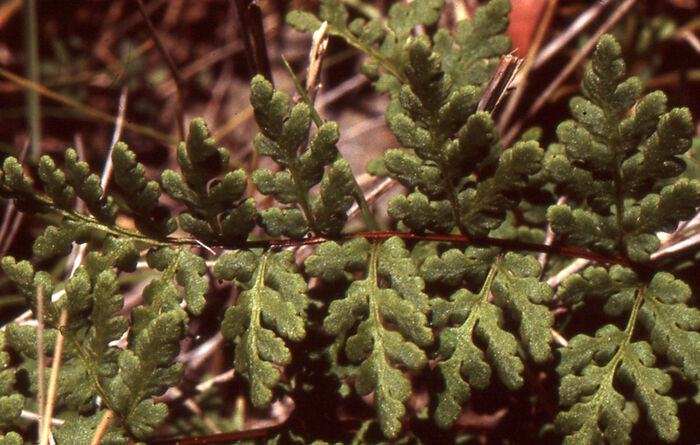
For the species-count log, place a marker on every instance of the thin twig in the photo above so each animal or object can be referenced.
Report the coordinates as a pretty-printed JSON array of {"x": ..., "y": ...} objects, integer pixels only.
[
  {"x": 693, "y": 40},
  {"x": 572, "y": 268},
  {"x": 558, "y": 338},
  {"x": 582, "y": 20},
  {"x": 171, "y": 66},
  {"x": 83, "y": 109},
  {"x": 548, "y": 239},
  {"x": 35, "y": 417},
  {"x": 102, "y": 427},
  {"x": 116, "y": 135},
  {"x": 223, "y": 377},
  {"x": 56, "y": 366},
  {"x": 242, "y": 17},
  {"x": 500, "y": 83},
  {"x": 348, "y": 85},
  {"x": 570, "y": 67},
  {"x": 199, "y": 354},
  {"x": 200, "y": 64},
  {"x": 41, "y": 358}
]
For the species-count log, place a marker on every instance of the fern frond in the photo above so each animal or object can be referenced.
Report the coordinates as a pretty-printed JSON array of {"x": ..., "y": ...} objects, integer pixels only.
[
  {"x": 271, "y": 308},
  {"x": 283, "y": 132},
  {"x": 141, "y": 195},
  {"x": 217, "y": 208},
  {"x": 626, "y": 159},
  {"x": 359, "y": 321}
]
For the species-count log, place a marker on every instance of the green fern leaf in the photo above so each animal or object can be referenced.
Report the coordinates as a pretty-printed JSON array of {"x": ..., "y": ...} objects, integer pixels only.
[
  {"x": 11, "y": 438},
  {"x": 216, "y": 206},
  {"x": 55, "y": 184},
  {"x": 13, "y": 177},
  {"x": 270, "y": 309},
  {"x": 672, "y": 325},
  {"x": 11, "y": 403},
  {"x": 283, "y": 131},
  {"x": 333, "y": 262},
  {"x": 453, "y": 266},
  {"x": 625, "y": 159},
  {"x": 146, "y": 369},
  {"x": 517, "y": 290},
  {"x": 141, "y": 195},
  {"x": 58, "y": 240},
  {"x": 147, "y": 415},
  {"x": 23, "y": 276},
  {"x": 479, "y": 42},
  {"x": 188, "y": 270},
  {"x": 358, "y": 321},
  {"x": 87, "y": 187}
]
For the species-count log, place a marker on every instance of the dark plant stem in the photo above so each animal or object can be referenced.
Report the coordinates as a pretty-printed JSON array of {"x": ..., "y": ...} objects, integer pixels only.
[{"x": 505, "y": 244}]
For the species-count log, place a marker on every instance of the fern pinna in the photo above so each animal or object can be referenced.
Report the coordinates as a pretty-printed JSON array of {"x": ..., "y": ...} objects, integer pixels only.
[{"x": 450, "y": 306}]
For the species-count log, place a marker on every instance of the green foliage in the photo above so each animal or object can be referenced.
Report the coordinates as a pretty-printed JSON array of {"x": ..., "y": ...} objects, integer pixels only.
[
  {"x": 271, "y": 308},
  {"x": 619, "y": 165},
  {"x": 359, "y": 321},
  {"x": 412, "y": 323},
  {"x": 216, "y": 206},
  {"x": 515, "y": 289},
  {"x": 283, "y": 132},
  {"x": 435, "y": 86},
  {"x": 141, "y": 195},
  {"x": 589, "y": 366},
  {"x": 11, "y": 403}
]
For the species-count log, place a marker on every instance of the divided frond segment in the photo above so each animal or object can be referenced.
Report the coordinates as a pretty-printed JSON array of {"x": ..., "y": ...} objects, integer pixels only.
[
  {"x": 188, "y": 271},
  {"x": 11, "y": 438},
  {"x": 616, "y": 287},
  {"x": 217, "y": 208},
  {"x": 87, "y": 187},
  {"x": 450, "y": 142},
  {"x": 14, "y": 182},
  {"x": 589, "y": 366},
  {"x": 383, "y": 42},
  {"x": 58, "y": 240},
  {"x": 464, "y": 366},
  {"x": 60, "y": 186},
  {"x": 11, "y": 402},
  {"x": 453, "y": 266},
  {"x": 515, "y": 288},
  {"x": 104, "y": 326},
  {"x": 618, "y": 164},
  {"x": 28, "y": 283},
  {"x": 479, "y": 45},
  {"x": 146, "y": 369},
  {"x": 270, "y": 309},
  {"x": 359, "y": 321},
  {"x": 283, "y": 132},
  {"x": 672, "y": 324},
  {"x": 484, "y": 207},
  {"x": 661, "y": 308},
  {"x": 80, "y": 431},
  {"x": 141, "y": 195}
]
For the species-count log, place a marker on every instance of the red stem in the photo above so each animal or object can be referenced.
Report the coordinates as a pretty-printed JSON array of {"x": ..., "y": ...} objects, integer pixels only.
[{"x": 506, "y": 244}]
